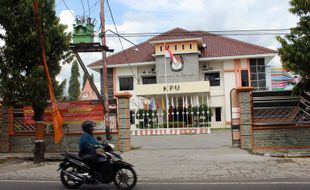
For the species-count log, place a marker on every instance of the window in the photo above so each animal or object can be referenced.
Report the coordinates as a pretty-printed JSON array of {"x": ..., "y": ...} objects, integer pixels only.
[
  {"x": 190, "y": 46},
  {"x": 132, "y": 117},
  {"x": 183, "y": 47},
  {"x": 110, "y": 83},
  {"x": 149, "y": 80},
  {"x": 258, "y": 74},
  {"x": 175, "y": 47},
  {"x": 125, "y": 83},
  {"x": 161, "y": 48},
  {"x": 218, "y": 114},
  {"x": 213, "y": 78},
  {"x": 244, "y": 78}
]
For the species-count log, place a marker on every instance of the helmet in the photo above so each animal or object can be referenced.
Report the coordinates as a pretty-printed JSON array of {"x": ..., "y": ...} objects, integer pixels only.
[{"x": 87, "y": 125}]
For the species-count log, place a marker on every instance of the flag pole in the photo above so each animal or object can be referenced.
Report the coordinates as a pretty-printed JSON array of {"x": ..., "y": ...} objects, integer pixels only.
[
  {"x": 167, "y": 111},
  {"x": 172, "y": 111}
]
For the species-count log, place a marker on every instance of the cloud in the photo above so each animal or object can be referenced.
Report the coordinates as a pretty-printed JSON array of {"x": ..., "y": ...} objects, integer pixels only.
[
  {"x": 165, "y": 5},
  {"x": 211, "y": 15},
  {"x": 67, "y": 18}
]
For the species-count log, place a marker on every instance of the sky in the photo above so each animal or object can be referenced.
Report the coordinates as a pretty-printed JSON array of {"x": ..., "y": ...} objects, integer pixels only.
[{"x": 142, "y": 16}]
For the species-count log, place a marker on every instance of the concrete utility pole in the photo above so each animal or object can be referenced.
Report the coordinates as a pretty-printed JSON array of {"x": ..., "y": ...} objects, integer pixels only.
[{"x": 104, "y": 73}]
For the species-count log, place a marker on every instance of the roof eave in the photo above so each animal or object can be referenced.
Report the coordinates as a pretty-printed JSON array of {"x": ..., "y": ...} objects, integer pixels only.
[
  {"x": 271, "y": 55},
  {"x": 177, "y": 40},
  {"x": 98, "y": 67}
]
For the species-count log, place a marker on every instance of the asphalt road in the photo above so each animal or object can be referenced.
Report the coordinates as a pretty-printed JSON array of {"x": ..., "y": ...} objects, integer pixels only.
[{"x": 55, "y": 185}]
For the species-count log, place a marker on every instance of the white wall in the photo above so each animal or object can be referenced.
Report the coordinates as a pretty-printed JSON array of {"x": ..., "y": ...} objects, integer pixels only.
[
  {"x": 268, "y": 77},
  {"x": 135, "y": 102},
  {"x": 230, "y": 83},
  {"x": 126, "y": 72}
]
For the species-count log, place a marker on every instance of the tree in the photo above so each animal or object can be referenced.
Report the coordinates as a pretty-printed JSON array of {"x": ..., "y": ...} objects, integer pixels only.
[
  {"x": 59, "y": 91},
  {"x": 295, "y": 50},
  {"x": 22, "y": 77},
  {"x": 74, "y": 84},
  {"x": 84, "y": 80}
]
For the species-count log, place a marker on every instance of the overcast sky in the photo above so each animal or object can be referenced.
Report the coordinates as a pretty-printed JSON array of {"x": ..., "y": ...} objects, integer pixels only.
[{"x": 162, "y": 15}]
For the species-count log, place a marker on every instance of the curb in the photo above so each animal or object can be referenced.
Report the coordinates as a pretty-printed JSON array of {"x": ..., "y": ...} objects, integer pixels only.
[
  {"x": 9, "y": 157},
  {"x": 283, "y": 154}
]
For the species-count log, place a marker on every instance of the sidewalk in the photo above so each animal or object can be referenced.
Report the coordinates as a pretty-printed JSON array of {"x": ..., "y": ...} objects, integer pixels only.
[{"x": 183, "y": 158}]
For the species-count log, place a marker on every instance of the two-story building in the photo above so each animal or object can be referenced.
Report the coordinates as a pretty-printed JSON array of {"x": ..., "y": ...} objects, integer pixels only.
[{"x": 196, "y": 94}]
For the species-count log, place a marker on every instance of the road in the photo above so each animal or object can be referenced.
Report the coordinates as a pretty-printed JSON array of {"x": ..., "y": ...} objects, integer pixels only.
[
  {"x": 190, "y": 158},
  {"x": 267, "y": 185}
]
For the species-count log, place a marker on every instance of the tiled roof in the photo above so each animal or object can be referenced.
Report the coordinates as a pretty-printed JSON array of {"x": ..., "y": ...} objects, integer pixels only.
[{"x": 217, "y": 46}]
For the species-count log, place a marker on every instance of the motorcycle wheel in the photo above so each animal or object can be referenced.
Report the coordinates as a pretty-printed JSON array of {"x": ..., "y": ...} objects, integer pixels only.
[
  {"x": 67, "y": 180},
  {"x": 125, "y": 178}
]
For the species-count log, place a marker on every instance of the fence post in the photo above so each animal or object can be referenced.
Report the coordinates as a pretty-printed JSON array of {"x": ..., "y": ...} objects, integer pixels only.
[
  {"x": 7, "y": 123},
  {"x": 123, "y": 115},
  {"x": 245, "y": 101}
]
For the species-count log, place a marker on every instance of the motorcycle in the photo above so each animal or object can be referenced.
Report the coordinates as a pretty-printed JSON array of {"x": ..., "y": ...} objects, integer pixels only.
[{"x": 75, "y": 171}]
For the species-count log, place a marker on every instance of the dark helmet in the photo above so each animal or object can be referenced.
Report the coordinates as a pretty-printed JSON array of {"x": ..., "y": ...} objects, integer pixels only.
[{"x": 87, "y": 125}]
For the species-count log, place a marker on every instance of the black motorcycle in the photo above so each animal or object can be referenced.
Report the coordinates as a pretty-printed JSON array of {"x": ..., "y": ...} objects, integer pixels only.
[{"x": 75, "y": 171}]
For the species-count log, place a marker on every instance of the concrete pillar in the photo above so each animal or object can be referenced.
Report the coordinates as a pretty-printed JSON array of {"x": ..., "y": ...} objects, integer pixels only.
[
  {"x": 245, "y": 100},
  {"x": 5, "y": 137},
  {"x": 123, "y": 115}
]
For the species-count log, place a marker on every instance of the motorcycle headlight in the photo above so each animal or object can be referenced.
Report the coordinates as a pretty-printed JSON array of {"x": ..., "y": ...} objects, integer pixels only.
[{"x": 112, "y": 146}]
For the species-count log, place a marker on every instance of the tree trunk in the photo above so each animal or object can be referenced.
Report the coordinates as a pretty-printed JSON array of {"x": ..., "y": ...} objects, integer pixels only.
[{"x": 39, "y": 149}]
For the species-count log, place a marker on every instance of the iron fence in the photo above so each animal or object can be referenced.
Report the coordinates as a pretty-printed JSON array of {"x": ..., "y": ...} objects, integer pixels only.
[
  {"x": 280, "y": 108},
  {"x": 177, "y": 118}
]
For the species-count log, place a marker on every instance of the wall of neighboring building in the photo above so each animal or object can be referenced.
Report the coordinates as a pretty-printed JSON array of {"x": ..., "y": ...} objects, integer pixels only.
[
  {"x": 135, "y": 103},
  {"x": 148, "y": 70},
  {"x": 217, "y": 93},
  {"x": 229, "y": 84},
  {"x": 125, "y": 72},
  {"x": 268, "y": 77}
]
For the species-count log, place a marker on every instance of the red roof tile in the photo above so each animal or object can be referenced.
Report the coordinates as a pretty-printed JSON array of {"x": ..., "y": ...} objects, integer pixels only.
[{"x": 217, "y": 46}]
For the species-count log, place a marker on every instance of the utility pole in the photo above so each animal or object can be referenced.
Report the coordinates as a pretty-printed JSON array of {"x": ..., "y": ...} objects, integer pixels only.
[{"x": 104, "y": 74}]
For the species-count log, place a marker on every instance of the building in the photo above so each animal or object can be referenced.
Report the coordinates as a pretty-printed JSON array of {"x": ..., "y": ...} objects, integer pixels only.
[
  {"x": 87, "y": 92},
  {"x": 281, "y": 79},
  {"x": 196, "y": 92}
]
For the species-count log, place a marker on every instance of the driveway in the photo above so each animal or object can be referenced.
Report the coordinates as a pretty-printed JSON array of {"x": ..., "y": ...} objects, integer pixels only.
[
  {"x": 207, "y": 157},
  {"x": 216, "y": 139}
]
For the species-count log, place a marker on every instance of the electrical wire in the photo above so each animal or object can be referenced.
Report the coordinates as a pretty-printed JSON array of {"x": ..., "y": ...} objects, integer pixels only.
[
  {"x": 119, "y": 38},
  {"x": 68, "y": 8},
  {"x": 83, "y": 8},
  {"x": 93, "y": 6},
  {"x": 208, "y": 33},
  {"x": 247, "y": 34},
  {"x": 88, "y": 8},
  {"x": 124, "y": 52}
]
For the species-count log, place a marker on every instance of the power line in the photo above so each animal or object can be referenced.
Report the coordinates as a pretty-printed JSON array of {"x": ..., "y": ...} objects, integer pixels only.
[
  {"x": 68, "y": 7},
  {"x": 119, "y": 38},
  {"x": 208, "y": 33},
  {"x": 127, "y": 60},
  {"x": 175, "y": 35},
  {"x": 83, "y": 8},
  {"x": 93, "y": 6},
  {"x": 88, "y": 8}
]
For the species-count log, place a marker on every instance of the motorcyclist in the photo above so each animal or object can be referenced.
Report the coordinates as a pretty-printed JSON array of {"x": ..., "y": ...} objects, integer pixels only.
[{"x": 88, "y": 144}]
